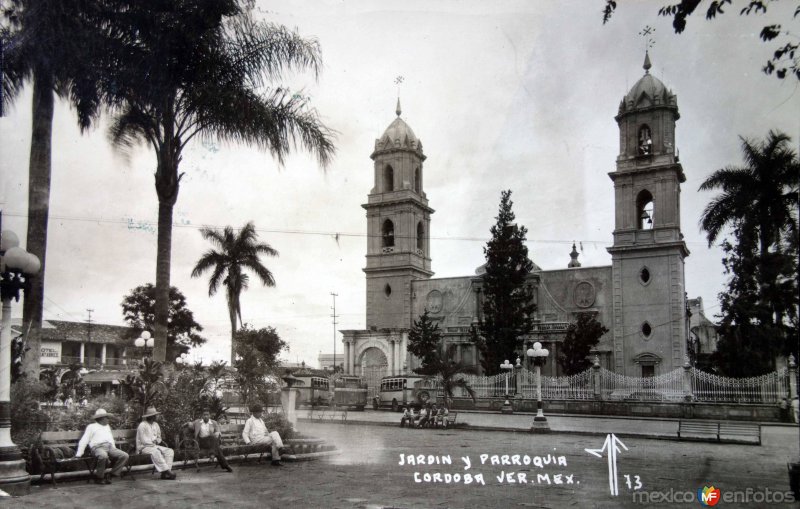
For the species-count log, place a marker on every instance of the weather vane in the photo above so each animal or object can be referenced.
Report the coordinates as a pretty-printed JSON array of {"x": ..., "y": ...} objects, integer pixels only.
[
  {"x": 397, "y": 81},
  {"x": 647, "y": 32}
]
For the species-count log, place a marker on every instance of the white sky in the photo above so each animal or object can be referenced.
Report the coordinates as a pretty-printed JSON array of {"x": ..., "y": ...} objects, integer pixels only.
[{"x": 518, "y": 95}]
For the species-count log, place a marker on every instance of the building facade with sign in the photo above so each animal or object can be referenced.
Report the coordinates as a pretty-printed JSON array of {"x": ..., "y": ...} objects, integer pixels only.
[{"x": 640, "y": 297}]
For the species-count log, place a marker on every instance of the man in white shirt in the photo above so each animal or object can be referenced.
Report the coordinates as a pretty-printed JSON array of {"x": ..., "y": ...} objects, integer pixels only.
[
  {"x": 207, "y": 433},
  {"x": 148, "y": 441},
  {"x": 100, "y": 440},
  {"x": 255, "y": 432}
]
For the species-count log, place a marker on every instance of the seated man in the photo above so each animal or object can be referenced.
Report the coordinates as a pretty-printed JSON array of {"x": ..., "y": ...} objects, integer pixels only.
[
  {"x": 423, "y": 417},
  {"x": 440, "y": 420},
  {"x": 101, "y": 445},
  {"x": 255, "y": 432},
  {"x": 407, "y": 418},
  {"x": 445, "y": 412},
  {"x": 207, "y": 433},
  {"x": 148, "y": 441}
]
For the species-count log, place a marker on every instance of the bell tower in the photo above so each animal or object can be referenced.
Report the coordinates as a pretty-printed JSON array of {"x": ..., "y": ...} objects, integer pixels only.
[
  {"x": 649, "y": 329},
  {"x": 398, "y": 226}
]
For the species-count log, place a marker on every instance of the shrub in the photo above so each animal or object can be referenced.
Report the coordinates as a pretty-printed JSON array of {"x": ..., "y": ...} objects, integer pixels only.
[
  {"x": 278, "y": 422},
  {"x": 28, "y": 420}
]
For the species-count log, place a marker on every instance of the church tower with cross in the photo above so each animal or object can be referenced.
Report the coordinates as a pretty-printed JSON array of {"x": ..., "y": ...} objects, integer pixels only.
[
  {"x": 649, "y": 303},
  {"x": 398, "y": 226}
]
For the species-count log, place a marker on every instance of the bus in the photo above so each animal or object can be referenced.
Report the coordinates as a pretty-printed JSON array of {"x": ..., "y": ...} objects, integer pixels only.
[
  {"x": 350, "y": 391},
  {"x": 312, "y": 391},
  {"x": 402, "y": 390}
]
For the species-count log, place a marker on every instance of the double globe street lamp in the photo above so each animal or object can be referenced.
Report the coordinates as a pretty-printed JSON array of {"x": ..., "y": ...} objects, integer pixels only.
[
  {"x": 507, "y": 408},
  {"x": 17, "y": 266},
  {"x": 539, "y": 357}
]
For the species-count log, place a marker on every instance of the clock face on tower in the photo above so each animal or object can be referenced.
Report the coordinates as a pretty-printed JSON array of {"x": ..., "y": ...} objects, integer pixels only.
[{"x": 433, "y": 303}]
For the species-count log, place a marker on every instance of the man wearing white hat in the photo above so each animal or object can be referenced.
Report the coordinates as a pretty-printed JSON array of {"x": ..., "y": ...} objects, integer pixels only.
[
  {"x": 100, "y": 440},
  {"x": 148, "y": 441}
]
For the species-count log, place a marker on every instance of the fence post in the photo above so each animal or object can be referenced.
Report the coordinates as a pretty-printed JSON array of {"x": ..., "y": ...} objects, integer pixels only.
[
  {"x": 792, "y": 377},
  {"x": 687, "y": 380},
  {"x": 598, "y": 390}
]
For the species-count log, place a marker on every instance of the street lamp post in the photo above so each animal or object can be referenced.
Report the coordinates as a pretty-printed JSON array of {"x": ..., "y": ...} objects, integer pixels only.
[
  {"x": 16, "y": 268},
  {"x": 507, "y": 408},
  {"x": 145, "y": 342},
  {"x": 539, "y": 356}
]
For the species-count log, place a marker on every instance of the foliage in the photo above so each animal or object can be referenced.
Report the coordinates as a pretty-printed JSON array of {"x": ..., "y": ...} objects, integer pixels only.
[
  {"x": 508, "y": 302},
  {"x": 138, "y": 309},
  {"x": 277, "y": 422},
  {"x": 18, "y": 351},
  {"x": 758, "y": 201},
  {"x": 265, "y": 342},
  {"x": 785, "y": 59},
  {"x": 235, "y": 254},
  {"x": 749, "y": 337},
  {"x": 27, "y": 418},
  {"x": 190, "y": 390},
  {"x": 52, "y": 45},
  {"x": 439, "y": 366},
  {"x": 257, "y": 358},
  {"x": 582, "y": 335},
  {"x": 424, "y": 338},
  {"x": 200, "y": 68},
  {"x": 146, "y": 387}
]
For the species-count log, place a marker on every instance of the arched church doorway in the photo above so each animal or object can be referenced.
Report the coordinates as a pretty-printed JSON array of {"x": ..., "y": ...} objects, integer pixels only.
[{"x": 374, "y": 366}]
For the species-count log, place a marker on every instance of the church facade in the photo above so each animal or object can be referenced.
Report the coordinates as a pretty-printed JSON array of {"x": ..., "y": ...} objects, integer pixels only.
[{"x": 640, "y": 297}]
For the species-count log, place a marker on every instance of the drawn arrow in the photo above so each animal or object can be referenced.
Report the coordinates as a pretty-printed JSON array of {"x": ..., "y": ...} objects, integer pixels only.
[{"x": 611, "y": 446}]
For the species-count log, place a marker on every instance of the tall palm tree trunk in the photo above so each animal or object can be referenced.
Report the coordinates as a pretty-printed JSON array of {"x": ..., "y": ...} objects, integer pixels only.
[
  {"x": 38, "y": 212},
  {"x": 167, "y": 186},
  {"x": 232, "y": 312}
]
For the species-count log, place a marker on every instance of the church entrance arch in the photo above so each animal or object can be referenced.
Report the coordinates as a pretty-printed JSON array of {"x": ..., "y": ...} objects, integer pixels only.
[{"x": 374, "y": 366}]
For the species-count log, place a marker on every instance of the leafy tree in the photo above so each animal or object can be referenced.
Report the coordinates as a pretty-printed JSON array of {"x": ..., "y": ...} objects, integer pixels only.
[
  {"x": 785, "y": 60},
  {"x": 749, "y": 337},
  {"x": 204, "y": 68},
  {"x": 146, "y": 387},
  {"x": 424, "y": 338},
  {"x": 582, "y": 335},
  {"x": 235, "y": 254},
  {"x": 759, "y": 202},
  {"x": 258, "y": 357},
  {"x": 53, "y": 46},
  {"x": 139, "y": 310},
  {"x": 265, "y": 343},
  {"x": 440, "y": 368},
  {"x": 508, "y": 302}
]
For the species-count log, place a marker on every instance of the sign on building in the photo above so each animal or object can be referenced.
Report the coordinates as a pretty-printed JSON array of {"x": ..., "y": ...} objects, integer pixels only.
[{"x": 50, "y": 352}]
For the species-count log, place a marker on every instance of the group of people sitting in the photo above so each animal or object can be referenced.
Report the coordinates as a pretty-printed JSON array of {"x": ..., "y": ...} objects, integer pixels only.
[
  {"x": 100, "y": 442},
  {"x": 429, "y": 416}
]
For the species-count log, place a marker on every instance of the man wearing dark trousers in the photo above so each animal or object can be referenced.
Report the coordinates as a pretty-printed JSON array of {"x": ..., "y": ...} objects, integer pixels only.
[{"x": 207, "y": 433}]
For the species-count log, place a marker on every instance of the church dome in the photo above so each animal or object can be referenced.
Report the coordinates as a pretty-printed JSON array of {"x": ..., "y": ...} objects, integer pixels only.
[
  {"x": 398, "y": 135},
  {"x": 647, "y": 92}
]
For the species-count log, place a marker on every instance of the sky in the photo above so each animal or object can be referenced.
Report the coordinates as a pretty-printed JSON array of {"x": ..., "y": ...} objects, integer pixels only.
[{"x": 513, "y": 95}]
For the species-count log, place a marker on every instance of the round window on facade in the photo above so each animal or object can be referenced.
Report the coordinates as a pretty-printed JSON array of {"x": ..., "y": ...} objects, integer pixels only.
[
  {"x": 647, "y": 330},
  {"x": 387, "y": 290},
  {"x": 644, "y": 276}
]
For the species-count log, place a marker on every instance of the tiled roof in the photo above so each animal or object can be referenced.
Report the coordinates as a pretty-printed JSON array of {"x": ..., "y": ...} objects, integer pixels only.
[{"x": 61, "y": 330}]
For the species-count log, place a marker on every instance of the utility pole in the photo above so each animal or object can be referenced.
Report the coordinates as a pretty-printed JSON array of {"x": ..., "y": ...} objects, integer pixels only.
[{"x": 334, "y": 316}]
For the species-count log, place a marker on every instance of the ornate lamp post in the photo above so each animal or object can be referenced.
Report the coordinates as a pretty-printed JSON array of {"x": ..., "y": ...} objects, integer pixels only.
[
  {"x": 539, "y": 357},
  {"x": 16, "y": 267},
  {"x": 144, "y": 341},
  {"x": 507, "y": 408},
  {"x": 183, "y": 360}
]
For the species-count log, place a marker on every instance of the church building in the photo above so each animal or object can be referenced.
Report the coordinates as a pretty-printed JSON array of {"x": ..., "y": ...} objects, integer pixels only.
[{"x": 640, "y": 297}]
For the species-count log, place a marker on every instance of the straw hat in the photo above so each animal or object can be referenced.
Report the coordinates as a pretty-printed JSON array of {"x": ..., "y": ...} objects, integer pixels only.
[
  {"x": 150, "y": 412},
  {"x": 100, "y": 413}
]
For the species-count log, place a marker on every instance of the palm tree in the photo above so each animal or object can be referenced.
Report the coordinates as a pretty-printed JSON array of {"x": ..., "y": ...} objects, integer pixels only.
[
  {"x": 760, "y": 198},
  {"x": 197, "y": 68},
  {"x": 53, "y": 45},
  {"x": 235, "y": 254},
  {"x": 441, "y": 369}
]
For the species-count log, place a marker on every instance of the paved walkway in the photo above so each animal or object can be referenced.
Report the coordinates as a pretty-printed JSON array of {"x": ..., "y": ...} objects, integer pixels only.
[
  {"x": 368, "y": 474},
  {"x": 560, "y": 423}
]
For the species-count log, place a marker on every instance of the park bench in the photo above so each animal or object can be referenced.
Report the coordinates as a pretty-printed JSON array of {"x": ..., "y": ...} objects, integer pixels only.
[
  {"x": 728, "y": 432},
  {"x": 231, "y": 443},
  {"x": 55, "y": 453},
  {"x": 329, "y": 413}
]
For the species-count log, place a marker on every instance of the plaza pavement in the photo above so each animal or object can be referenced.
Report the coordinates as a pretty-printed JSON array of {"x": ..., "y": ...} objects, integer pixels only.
[{"x": 367, "y": 473}]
